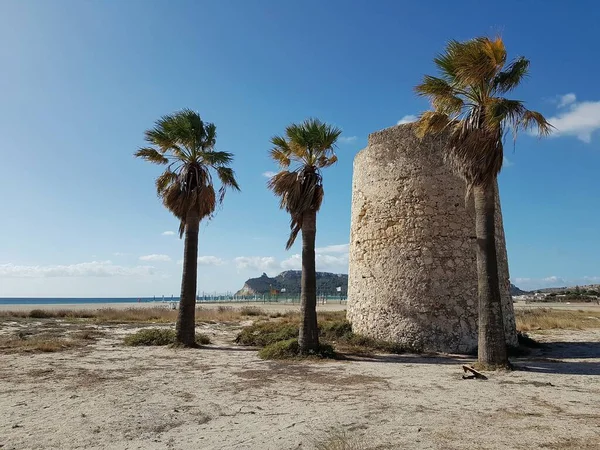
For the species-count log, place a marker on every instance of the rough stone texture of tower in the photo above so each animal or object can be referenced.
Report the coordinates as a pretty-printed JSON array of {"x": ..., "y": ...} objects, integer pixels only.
[{"x": 413, "y": 271}]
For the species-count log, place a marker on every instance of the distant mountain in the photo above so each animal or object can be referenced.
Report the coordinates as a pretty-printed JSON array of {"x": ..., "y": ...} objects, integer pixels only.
[
  {"x": 516, "y": 291},
  {"x": 290, "y": 281}
]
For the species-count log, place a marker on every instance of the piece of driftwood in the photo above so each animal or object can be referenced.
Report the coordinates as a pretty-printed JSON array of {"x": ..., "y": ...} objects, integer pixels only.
[{"x": 475, "y": 373}]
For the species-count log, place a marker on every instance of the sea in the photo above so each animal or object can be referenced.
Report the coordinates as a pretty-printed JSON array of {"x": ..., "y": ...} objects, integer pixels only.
[{"x": 75, "y": 300}]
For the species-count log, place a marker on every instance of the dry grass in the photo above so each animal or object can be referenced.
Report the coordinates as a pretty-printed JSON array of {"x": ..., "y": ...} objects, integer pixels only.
[
  {"x": 159, "y": 336},
  {"x": 47, "y": 337},
  {"x": 138, "y": 315},
  {"x": 339, "y": 440},
  {"x": 37, "y": 344},
  {"x": 550, "y": 319},
  {"x": 277, "y": 335}
]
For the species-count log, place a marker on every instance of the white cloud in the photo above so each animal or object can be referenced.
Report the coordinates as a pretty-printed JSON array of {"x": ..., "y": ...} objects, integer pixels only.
[
  {"x": 168, "y": 233},
  {"x": 332, "y": 258},
  {"x": 87, "y": 269},
  {"x": 507, "y": 163},
  {"x": 269, "y": 174},
  {"x": 120, "y": 254},
  {"x": 407, "y": 119},
  {"x": 580, "y": 119},
  {"x": 256, "y": 262},
  {"x": 347, "y": 139},
  {"x": 339, "y": 248},
  {"x": 206, "y": 261},
  {"x": 294, "y": 262},
  {"x": 324, "y": 263},
  {"x": 567, "y": 99},
  {"x": 154, "y": 257},
  {"x": 210, "y": 261},
  {"x": 554, "y": 280}
]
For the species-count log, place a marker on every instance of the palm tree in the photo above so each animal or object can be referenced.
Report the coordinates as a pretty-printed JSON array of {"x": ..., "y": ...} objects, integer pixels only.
[
  {"x": 308, "y": 146},
  {"x": 468, "y": 104},
  {"x": 185, "y": 144}
]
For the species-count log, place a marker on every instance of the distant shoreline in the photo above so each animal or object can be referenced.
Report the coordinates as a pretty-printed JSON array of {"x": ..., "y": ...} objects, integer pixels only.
[{"x": 268, "y": 306}]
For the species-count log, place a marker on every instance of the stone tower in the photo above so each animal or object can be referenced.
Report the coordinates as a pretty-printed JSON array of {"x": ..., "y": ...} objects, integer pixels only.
[{"x": 413, "y": 271}]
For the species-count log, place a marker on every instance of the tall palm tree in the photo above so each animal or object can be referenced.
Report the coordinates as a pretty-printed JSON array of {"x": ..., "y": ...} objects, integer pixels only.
[
  {"x": 468, "y": 104},
  {"x": 309, "y": 147},
  {"x": 185, "y": 144}
]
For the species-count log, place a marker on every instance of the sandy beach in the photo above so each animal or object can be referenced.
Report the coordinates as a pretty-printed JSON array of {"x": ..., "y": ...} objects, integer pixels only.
[
  {"x": 270, "y": 307},
  {"x": 108, "y": 396}
]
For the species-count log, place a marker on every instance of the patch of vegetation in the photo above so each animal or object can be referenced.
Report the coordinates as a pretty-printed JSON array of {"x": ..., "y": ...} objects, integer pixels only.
[
  {"x": 252, "y": 311},
  {"x": 39, "y": 314},
  {"x": 159, "y": 336},
  {"x": 88, "y": 335},
  {"x": 339, "y": 440},
  {"x": 261, "y": 334},
  {"x": 289, "y": 349},
  {"x": 155, "y": 314},
  {"x": 36, "y": 344},
  {"x": 334, "y": 330},
  {"x": 550, "y": 319}
]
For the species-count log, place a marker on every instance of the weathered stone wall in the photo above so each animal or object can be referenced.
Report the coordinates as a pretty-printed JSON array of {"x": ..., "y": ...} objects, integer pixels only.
[{"x": 413, "y": 271}]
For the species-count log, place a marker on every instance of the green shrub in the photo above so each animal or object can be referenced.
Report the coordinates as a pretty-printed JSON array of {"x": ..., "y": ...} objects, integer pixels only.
[
  {"x": 332, "y": 330},
  {"x": 159, "y": 336},
  {"x": 261, "y": 334},
  {"x": 252, "y": 311},
  {"x": 202, "y": 339},
  {"x": 339, "y": 329},
  {"x": 39, "y": 314},
  {"x": 289, "y": 349}
]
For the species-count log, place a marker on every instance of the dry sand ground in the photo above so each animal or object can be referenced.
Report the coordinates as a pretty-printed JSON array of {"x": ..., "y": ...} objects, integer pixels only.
[{"x": 107, "y": 396}]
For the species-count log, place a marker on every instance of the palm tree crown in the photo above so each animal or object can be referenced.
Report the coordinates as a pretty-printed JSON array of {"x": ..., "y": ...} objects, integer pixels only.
[
  {"x": 309, "y": 147},
  {"x": 467, "y": 101},
  {"x": 185, "y": 144}
]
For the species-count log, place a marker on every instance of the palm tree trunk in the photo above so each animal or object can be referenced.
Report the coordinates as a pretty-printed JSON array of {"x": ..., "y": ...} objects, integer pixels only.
[
  {"x": 492, "y": 343},
  {"x": 186, "y": 319},
  {"x": 309, "y": 333}
]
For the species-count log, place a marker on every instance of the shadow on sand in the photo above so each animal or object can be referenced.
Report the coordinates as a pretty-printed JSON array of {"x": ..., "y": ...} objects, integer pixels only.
[
  {"x": 557, "y": 357},
  {"x": 554, "y": 357}
]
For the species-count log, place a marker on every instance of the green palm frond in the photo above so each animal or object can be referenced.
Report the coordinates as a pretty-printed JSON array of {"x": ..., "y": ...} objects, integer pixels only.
[
  {"x": 216, "y": 159},
  {"x": 310, "y": 145},
  {"x": 443, "y": 96},
  {"x": 502, "y": 110},
  {"x": 151, "y": 155},
  {"x": 512, "y": 76},
  {"x": 186, "y": 143}
]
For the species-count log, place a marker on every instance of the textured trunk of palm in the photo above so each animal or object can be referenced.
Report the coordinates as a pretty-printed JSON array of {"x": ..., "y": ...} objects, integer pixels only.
[
  {"x": 309, "y": 333},
  {"x": 492, "y": 344},
  {"x": 186, "y": 319}
]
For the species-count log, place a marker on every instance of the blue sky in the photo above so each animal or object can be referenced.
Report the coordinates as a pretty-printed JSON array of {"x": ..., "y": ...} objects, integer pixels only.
[{"x": 82, "y": 80}]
